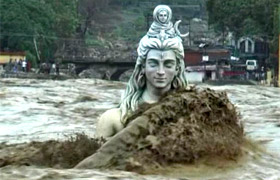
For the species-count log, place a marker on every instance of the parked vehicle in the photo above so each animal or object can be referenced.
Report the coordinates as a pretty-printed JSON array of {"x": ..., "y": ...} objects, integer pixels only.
[{"x": 251, "y": 65}]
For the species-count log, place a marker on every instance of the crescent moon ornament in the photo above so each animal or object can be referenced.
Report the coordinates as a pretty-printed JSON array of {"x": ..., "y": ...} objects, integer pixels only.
[{"x": 176, "y": 25}]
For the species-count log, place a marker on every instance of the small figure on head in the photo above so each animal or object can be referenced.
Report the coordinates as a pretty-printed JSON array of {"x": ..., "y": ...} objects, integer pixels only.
[
  {"x": 162, "y": 27},
  {"x": 162, "y": 24}
]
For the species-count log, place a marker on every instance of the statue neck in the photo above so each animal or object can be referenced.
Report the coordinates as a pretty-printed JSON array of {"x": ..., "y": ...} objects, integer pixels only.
[{"x": 152, "y": 94}]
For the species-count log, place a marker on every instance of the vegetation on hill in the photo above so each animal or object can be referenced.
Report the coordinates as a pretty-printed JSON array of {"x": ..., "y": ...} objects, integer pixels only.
[{"x": 244, "y": 17}]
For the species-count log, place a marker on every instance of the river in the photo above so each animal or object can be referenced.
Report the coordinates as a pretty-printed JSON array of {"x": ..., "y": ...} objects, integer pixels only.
[{"x": 40, "y": 110}]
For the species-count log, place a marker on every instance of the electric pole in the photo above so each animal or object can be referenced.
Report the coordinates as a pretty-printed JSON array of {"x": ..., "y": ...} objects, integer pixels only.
[{"x": 278, "y": 45}]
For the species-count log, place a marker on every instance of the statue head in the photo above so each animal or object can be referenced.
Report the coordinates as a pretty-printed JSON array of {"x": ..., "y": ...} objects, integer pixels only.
[
  {"x": 159, "y": 71},
  {"x": 162, "y": 14},
  {"x": 152, "y": 48}
]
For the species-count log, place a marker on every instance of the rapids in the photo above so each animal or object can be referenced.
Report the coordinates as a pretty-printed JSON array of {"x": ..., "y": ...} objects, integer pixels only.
[{"x": 40, "y": 110}]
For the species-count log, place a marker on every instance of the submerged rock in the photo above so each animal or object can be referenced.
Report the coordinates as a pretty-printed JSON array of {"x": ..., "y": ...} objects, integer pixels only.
[{"x": 183, "y": 127}]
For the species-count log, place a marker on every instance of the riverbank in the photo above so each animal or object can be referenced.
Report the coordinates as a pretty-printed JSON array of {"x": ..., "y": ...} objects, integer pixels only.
[
  {"x": 65, "y": 76},
  {"x": 234, "y": 82},
  {"x": 228, "y": 81},
  {"x": 33, "y": 75}
]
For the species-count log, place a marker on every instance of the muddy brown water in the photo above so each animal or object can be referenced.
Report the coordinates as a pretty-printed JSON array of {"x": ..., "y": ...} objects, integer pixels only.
[{"x": 41, "y": 110}]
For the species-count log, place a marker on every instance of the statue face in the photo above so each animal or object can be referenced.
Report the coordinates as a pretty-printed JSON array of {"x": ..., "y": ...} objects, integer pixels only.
[
  {"x": 162, "y": 16},
  {"x": 160, "y": 68}
]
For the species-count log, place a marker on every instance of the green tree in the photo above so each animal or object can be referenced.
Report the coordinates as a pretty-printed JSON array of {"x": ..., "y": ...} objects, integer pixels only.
[
  {"x": 36, "y": 26},
  {"x": 242, "y": 17}
]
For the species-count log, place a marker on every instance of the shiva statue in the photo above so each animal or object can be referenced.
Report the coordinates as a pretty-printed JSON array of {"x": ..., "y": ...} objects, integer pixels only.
[{"x": 159, "y": 68}]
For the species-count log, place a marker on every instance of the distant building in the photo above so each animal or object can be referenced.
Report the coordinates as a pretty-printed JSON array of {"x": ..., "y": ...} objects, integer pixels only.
[
  {"x": 253, "y": 48},
  {"x": 194, "y": 56},
  {"x": 5, "y": 57},
  {"x": 206, "y": 63}
]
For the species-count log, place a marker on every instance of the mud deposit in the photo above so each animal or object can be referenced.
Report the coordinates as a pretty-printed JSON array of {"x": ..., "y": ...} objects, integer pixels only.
[
  {"x": 187, "y": 126},
  {"x": 55, "y": 154}
]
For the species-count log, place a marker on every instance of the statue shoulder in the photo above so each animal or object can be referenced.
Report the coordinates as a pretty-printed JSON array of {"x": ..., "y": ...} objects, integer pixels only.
[
  {"x": 114, "y": 113},
  {"x": 109, "y": 123}
]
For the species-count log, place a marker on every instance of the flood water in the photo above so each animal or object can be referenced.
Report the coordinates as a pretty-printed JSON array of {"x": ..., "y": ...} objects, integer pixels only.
[{"x": 40, "y": 110}]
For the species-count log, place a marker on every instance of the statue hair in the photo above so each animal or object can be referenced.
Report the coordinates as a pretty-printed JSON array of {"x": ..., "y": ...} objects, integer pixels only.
[{"x": 137, "y": 82}]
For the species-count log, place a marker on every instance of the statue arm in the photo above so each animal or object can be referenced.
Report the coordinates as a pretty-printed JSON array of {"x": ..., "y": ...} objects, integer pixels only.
[{"x": 109, "y": 123}]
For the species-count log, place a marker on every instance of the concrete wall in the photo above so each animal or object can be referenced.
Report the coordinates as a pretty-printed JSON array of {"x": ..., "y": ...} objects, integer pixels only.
[{"x": 195, "y": 76}]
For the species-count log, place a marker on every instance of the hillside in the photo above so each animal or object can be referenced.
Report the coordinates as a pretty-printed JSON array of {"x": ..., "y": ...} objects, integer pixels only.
[{"x": 119, "y": 28}]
